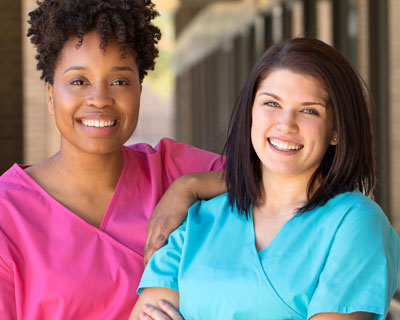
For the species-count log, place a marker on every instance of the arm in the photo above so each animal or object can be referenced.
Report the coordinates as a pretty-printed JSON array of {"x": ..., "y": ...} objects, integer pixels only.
[
  {"x": 361, "y": 266},
  {"x": 165, "y": 299},
  {"x": 343, "y": 316},
  {"x": 173, "y": 206}
]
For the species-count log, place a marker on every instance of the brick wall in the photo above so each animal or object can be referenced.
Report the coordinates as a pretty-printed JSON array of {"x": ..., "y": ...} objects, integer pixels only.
[{"x": 11, "y": 137}]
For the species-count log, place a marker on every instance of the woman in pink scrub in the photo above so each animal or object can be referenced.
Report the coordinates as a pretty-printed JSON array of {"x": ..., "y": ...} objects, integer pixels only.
[{"x": 73, "y": 227}]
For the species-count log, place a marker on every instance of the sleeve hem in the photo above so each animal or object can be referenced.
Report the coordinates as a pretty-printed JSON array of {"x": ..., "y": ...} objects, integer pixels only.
[
  {"x": 157, "y": 283},
  {"x": 346, "y": 309}
]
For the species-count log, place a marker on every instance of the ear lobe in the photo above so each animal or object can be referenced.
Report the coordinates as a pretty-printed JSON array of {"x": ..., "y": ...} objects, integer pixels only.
[
  {"x": 334, "y": 140},
  {"x": 50, "y": 104}
]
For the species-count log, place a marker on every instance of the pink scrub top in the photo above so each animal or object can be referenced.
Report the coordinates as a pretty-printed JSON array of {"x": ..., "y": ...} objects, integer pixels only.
[{"x": 54, "y": 265}]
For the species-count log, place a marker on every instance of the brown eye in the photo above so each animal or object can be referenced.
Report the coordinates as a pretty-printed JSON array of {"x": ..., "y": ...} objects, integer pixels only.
[
  {"x": 120, "y": 83},
  {"x": 77, "y": 83}
]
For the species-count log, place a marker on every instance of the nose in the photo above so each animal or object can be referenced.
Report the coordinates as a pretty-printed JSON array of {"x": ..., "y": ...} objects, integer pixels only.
[
  {"x": 100, "y": 96},
  {"x": 287, "y": 123}
]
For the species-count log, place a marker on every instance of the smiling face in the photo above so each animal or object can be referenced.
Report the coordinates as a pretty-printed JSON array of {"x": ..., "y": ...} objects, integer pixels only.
[
  {"x": 292, "y": 124},
  {"x": 95, "y": 96}
]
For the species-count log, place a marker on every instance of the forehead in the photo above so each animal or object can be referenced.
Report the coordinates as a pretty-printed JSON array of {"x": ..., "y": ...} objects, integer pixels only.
[
  {"x": 90, "y": 52},
  {"x": 287, "y": 82}
]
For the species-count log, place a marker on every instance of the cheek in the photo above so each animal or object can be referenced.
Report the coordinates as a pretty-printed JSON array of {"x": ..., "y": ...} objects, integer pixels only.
[
  {"x": 262, "y": 122},
  {"x": 323, "y": 134},
  {"x": 131, "y": 101},
  {"x": 65, "y": 100},
  {"x": 257, "y": 136}
]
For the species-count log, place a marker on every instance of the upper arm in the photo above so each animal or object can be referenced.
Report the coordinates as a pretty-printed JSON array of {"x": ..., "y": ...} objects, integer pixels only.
[
  {"x": 152, "y": 296},
  {"x": 343, "y": 316},
  {"x": 360, "y": 271}
]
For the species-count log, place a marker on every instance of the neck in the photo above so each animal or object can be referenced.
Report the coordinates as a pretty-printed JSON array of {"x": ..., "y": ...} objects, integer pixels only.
[
  {"x": 87, "y": 170},
  {"x": 283, "y": 195}
]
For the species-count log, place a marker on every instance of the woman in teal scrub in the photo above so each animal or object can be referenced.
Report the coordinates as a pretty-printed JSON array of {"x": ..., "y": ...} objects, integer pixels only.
[{"x": 296, "y": 236}]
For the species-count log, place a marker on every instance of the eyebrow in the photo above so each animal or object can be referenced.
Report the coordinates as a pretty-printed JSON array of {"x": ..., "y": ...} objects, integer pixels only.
[
  {"x": 307, "y": 103},
  {"x": 123, "y": 69},
  {"x": 114, "y": 69},
  {"x": 74, "y": 68}
]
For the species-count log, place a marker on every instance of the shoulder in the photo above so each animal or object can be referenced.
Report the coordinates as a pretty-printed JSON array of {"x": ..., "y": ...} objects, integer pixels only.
[
  {"x": 175, "y": 158},
  {"x": 171, "y": 147},
  {"x": 351, "y": 219},
  {"x": 214, "y": 205},
  {"x": 362, "y": 225},
  {"x": 214, "y": 213},
  {"x": 360, "y": 256},
  {"x": 355, "y": 207},
  {"x": 14, "y": 179},
  {"x": 20, "y": 196},
  {"x": 164, "y": 145}
]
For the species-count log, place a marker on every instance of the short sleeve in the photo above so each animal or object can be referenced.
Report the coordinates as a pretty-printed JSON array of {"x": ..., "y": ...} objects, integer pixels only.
[
  {"x": 163, "y": 267},
  {"x": 360, "y": 272},
  {"x": 7, "y": 292}
]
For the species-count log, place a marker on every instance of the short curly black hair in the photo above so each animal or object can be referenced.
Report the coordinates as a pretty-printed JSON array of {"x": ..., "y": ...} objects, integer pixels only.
[{"x": 54, "y": 22}]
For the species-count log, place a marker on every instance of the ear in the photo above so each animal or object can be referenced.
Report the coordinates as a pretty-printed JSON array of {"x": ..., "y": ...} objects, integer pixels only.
[
  {"x": 50, "y": 103},
  {"x": 334, "y": 139}
]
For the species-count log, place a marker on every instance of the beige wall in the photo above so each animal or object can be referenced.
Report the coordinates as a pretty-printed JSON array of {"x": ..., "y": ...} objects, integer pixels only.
[{"x": 40, "y": 135}]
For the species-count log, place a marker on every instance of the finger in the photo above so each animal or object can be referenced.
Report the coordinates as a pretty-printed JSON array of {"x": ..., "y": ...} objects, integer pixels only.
[
  {"x": 155, "y": 313},
  {"x": 154, "y": 242},
  {"x": 156, "y": 235},
  {"x": 149, "y": 244},
  {"x": 170, "y": 310},
  {"x": 144, "y": 316},
  {"x": 156, "y": 238}
]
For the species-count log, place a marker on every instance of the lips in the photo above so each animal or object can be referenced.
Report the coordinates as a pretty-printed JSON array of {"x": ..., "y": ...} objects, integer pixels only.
[{"x": 284, "y": 145}]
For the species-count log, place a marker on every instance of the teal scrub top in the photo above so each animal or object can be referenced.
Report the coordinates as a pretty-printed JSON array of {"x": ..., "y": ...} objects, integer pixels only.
[{"x": 341, "y": 257}]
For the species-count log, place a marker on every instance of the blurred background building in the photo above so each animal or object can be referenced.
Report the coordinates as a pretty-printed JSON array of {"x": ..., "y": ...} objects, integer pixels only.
[{"x": 207, "y": 51}]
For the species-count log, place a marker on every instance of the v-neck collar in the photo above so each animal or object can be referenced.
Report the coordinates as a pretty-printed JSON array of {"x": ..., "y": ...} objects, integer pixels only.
[
  {"x": 252, "y": 233},
  {"x": 110, "y": 208},
  {"x": 257, "y": 259}
]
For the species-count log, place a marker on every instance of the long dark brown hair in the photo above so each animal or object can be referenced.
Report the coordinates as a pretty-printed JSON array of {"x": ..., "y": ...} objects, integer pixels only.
[{"x": 347, "y": 166}]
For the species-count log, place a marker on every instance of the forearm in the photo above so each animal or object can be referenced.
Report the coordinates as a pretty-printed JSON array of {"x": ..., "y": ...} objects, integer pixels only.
[
  {"x": 343, "y": 316},
  {"x": 149, "y": 303},
  {"x": 203, "y": 185}
]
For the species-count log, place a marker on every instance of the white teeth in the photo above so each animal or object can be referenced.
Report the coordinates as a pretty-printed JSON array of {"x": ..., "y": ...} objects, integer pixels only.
[
  {"x": 99, "y": 124},
  {"x": 284, "y": 146}
]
